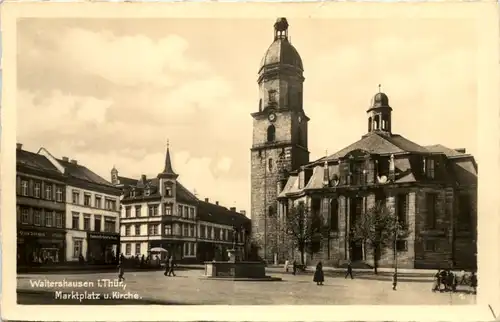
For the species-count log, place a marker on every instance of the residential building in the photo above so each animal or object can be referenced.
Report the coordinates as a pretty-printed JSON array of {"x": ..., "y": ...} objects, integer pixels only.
[
  {"x": 432, "y": 190},
  {"x": 92, "y": 213},
  {"x": 161, "y": 212},
  {"x": 40, "y": 207}
]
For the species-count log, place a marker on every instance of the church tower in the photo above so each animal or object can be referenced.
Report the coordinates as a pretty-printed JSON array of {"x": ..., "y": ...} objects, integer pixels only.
[
  {"x": 279, "y": 134},
  {"x": 379, "y": 114}
]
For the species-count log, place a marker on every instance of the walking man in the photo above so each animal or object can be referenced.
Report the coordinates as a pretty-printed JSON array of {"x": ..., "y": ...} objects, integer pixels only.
[
  {"x": 171, "y": 266},
  {"x": 349, "y": 270},
  {"x": 120, "y": 272}
]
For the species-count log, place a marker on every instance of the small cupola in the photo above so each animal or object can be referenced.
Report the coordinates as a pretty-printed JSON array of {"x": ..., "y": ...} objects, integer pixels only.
[{"x": 379, "y": 114}]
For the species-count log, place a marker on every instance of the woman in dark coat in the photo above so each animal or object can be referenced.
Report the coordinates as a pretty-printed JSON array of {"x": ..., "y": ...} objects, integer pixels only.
[{"x": 319, "y": 277}]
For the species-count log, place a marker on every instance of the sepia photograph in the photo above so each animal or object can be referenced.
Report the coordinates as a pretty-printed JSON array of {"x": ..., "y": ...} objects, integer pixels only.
[{"x": 277, "y": 160}]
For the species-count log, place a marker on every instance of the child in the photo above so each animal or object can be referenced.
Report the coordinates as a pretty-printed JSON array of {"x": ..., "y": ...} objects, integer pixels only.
[{"x": 120, "y": 272}]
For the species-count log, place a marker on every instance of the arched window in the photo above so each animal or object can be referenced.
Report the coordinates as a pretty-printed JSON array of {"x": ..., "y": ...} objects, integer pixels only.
[
  {"x": 376, "y": 124},
  {"x": 270, "y": 164},
  {"x": 271, "y": 133},
  {"x": 271, "y": 211},
  {"x": 369, "y": 124},
  {"x": 260, "y": 105}
]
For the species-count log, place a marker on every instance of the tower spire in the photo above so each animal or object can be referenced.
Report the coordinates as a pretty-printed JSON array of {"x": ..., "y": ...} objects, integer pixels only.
[{"x": 168, "y": 170}]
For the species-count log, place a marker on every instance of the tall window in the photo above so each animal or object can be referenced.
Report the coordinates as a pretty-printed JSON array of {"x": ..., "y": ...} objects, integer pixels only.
[
  {"x": 402, "y": 208},
  {"x": 153, "y": 210},
  {"x": 59, "y": 194},
  {"x": 137, "y": 248},
  {"x": 168, "y": 189},
  {"x": 138, "y": 211},
  {"x": 127, "y": 211},
  {"x": 24, "y": 187},
  {"x": 168, "y": 230},
  {"x": 86, "y": 199},
  {"x": 209, "y": 232},
  {"x": 37, "y": 217},
  {"x": 202, "y": 231},
  {"x": 153, "y": 229},
  {"x": 429, "y": 165},
  {"x": 191, "y": 231},
  {"x": 48, "y": 192},
  {"x": 37, "y": 189},
  {"x": 97, "y": 223},
  {"x": 25, "y": 216},
  {"x": 98, "y": 202},
  {"x": 137, "y": 230},
  {"x": 168, "y": 209},
  {"x": 186, "y": 211},
  {"x": 75, "y": 221},
  {"x": 271, "y": 133},
  {"x": 59, "y": 219},
  {"x": 49, "y": 218},
  {"x": 464, "y": 221},
  {"x": 431, "y": 210},
  {"x": 186, "y": 230},
  {"x": 77, "y": 247},
  {"x": 109, "y": 224},
  {"x": 272, "y": 96},
  {"x": 86, "y": 222},
  {"x": 128, "y": 249},
  {"x": 191, "y": 213},
  {"x": 270, "y": 164},
  {"x": 75, "y": 197},
  {"x": 179, "y": 210},
  {"x": 127, "y": 230},
  {"x": 334, "y": 215}
]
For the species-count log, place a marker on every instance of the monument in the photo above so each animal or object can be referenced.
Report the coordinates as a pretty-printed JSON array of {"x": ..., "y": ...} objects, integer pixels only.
[{"x": 237, "y": 269}]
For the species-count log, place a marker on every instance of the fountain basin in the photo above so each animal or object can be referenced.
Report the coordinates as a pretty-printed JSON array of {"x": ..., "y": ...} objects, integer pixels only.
[{"x": 237, "y": 271}]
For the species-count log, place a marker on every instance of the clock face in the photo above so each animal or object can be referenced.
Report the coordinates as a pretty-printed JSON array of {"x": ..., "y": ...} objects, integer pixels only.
[{"x": 272, "y": 117}]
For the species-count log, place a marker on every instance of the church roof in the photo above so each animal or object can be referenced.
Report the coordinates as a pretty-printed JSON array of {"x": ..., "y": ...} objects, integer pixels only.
[
  {"x": 281, "y": 52},
  {"x": 375, "y": 143}
]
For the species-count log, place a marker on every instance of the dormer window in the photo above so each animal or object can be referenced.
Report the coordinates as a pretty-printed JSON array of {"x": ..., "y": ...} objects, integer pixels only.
[
  {"x": 147, "y": 192},
  {"x": 429, "y": 167},
  {"x": 132, "y": 193}
]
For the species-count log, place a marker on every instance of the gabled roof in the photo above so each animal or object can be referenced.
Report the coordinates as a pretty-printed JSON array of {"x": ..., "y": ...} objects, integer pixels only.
[
  {"x": 375, "y": 143},
  {"x": 36, "y": 162},
  {"x": 218, "y": 214},
  {"x": 81, "y": 172},
  {"x": 127, "y": 181},
  {"x": 438, "y": 148}
]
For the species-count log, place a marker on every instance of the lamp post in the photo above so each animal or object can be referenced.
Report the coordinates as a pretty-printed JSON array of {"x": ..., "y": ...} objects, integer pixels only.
[{"x": 395, "y": 275}]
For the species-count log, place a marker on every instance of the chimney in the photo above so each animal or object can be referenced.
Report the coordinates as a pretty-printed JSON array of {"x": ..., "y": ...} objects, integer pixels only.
[
  {"x": 74, "y": 161},
  {"x": 65, "y": 159},
  {"x": 143, "y": 178},
  {"x": 206, "y": 200},
  {"x": 461, "y": 150},
  {"x": 19, "y": 146},
  {"x": 233, "y": 209},
  {"x": 217, "y": 203},
  {"x": 243, "y": 212}
]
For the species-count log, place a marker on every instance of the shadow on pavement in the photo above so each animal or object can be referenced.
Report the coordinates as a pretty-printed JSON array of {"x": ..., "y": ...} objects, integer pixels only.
[{"x": 47, "y": 298}]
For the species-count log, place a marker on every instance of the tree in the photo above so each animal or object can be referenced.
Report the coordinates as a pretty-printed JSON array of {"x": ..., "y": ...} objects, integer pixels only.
[
  {"x": 379, "y": 228},
  {"x": 303, "y": 229}
]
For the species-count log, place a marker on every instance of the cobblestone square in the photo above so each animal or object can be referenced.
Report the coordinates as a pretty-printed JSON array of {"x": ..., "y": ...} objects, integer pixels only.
[{"x": 188, "y": 288}]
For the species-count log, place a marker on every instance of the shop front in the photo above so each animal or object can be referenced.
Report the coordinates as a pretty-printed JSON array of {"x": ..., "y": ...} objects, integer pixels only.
[
  {"x": 173, "y": 247},
  {"x": 40, "y": 246},
  {"x": 103, "y": 248}
]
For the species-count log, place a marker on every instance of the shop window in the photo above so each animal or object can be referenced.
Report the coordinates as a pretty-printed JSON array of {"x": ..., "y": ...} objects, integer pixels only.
[
  {"x": 77, "y": 248},
  {"x": 137, "y": 248},
  {"x": 86, "y": 222},
  {"x": 128, "y": 249},
  {"x": 37, "y": 190},
  {"x": 24, "y": 187},
  {"x": 75, "y": 222}
]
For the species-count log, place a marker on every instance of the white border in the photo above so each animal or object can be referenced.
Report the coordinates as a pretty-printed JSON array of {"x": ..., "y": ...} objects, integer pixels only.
[{"x": 484, "y": 13}]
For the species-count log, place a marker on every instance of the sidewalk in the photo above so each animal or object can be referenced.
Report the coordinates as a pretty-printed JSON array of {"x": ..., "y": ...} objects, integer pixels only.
[
  {"x": 382, "y": 271},
  {"x": 86, "y": 269}
]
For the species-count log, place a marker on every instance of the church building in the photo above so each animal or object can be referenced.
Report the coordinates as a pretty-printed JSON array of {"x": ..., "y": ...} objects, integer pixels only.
[{"x": 431, "y": 189}]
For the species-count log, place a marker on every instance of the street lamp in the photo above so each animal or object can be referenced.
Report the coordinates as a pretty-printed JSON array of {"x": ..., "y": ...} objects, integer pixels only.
[{"x": 395, "y": 275}]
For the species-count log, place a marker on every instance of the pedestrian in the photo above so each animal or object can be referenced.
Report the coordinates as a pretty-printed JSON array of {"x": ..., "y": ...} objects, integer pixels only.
[
  {"x": 349, "y": 270},
  {"x": 167, "y": 266},
  {"x": 473, "y": 282},
  {"x": 394, "y": 281},
  {"x": 286, "y": 265},
  {"x": 319, "y": 276},
  {"x": 437, "y": 281},
  {"x": 121, "y": 272},
  {"x": 171, "y": 266},
  {"x": 294, "y": 267}
]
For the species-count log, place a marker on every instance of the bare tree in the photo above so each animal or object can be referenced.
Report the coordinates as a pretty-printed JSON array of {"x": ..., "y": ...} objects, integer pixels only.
[
  {"x": 379, "y": 228},
  {"x": 303, "y": 229}
]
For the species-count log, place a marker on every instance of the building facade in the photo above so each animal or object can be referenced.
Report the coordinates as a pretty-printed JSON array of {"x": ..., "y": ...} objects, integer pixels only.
[
  {"x": 91, "y": 214},
  {"x": 430, "y": 189},
  {"x": 161, "y": 212},
  {"x": 40, "y": 206}
]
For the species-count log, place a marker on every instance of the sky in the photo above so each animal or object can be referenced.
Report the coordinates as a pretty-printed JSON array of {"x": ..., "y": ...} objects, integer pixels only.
[{"x": 111, "y": 92}]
